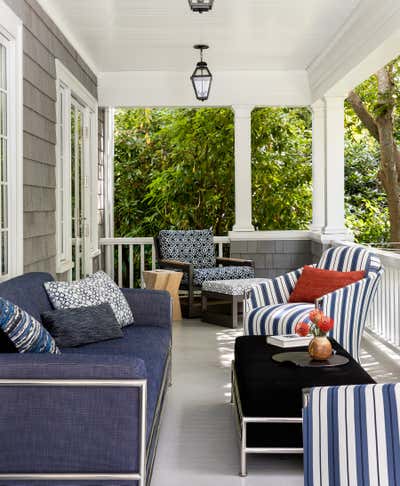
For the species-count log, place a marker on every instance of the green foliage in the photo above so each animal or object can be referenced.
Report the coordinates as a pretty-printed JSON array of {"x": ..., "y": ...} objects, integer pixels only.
[
  {"x": 281, "y": 168},
  {"x": 367, "y": 213},
  {"x": 175, "y": 169}
]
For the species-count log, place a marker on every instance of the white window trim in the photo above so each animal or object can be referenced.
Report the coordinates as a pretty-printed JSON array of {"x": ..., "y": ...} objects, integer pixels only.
[
  {"x": 11, "y": 29},
  {"x": 65, "y": 77}
]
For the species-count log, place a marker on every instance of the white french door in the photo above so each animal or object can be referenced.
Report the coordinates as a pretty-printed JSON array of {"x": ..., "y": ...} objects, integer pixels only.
[
  {"x": 76, "y": 179},
  {"x": 79, "y": 188}
]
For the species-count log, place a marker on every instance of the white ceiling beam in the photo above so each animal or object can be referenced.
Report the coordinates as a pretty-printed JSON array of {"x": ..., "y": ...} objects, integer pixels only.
[
  {"x": 155, "y": 88},
  {"x": 366, "y": 42}
]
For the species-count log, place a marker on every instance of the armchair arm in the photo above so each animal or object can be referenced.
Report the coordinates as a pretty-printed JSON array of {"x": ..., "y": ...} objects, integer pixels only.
[
  {"x": 176, "y": 264},
  {"x": 348, "y": 307},
  {"x": 237, "y": 262},
  {"x": 272, "y": 291},
  {"x": 150, "y": 307}
]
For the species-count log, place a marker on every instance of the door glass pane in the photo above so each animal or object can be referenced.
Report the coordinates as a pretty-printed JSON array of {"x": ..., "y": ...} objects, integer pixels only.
[
  {"x": 3, "y": 77},
  {"x": 3, "y": 113},
  {"x": 4, "y": 206},
  {"x": 4, "y": 252}
]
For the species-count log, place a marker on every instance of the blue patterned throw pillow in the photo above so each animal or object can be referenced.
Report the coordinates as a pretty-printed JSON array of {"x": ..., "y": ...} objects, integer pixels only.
[{"x": 25, "y": 332}]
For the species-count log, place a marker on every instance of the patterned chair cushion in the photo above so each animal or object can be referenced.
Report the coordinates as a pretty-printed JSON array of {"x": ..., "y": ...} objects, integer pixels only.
[
  {"x": 276, "y": 319},
  {"x": 200, "y": 275},
  {"x": 193, "y": 246},
  {"x": 351, "y": 436}
]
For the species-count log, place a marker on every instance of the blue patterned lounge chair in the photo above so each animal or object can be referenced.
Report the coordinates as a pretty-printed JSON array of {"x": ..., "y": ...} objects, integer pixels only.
[
  {"x": 268, "y": 311},
  {"x": 351, "y": 436},
  {"x": 193, "y": 253}
]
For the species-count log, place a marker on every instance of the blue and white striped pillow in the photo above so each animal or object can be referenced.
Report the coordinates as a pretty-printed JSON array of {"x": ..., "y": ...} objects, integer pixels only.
[{"x": 25, "y": 332}]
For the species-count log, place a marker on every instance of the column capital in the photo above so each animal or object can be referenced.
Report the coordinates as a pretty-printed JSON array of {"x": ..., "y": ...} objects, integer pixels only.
[
  {"x": 334, "y": 102},
  {"x": 318, "y": 107},
  {"x": 242, "y": 111}
]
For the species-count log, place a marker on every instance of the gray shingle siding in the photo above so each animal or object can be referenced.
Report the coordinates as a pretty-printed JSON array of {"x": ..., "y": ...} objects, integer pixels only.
[{"x": 43, "y": 42}]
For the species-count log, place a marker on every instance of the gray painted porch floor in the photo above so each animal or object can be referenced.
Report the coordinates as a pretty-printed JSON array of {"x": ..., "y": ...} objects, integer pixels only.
[{"x": 198, "y": 440}]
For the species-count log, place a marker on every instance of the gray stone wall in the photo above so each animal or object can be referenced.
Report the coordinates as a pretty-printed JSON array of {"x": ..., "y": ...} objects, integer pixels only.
[
  {"x": 273, "y": 258},
  {"x": 43, "y": 42}
]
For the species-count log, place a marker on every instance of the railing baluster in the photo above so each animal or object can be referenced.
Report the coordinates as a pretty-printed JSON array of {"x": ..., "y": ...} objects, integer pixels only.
[
  {"x": 141, "y": 265},
  {"x": 131, "y": 281},
  {"x": 153, "y": 257},
  {"x": 120, "y": 265}
]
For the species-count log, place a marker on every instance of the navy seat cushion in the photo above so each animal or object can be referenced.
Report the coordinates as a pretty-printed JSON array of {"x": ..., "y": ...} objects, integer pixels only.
[{"x": 149, "y": 343}]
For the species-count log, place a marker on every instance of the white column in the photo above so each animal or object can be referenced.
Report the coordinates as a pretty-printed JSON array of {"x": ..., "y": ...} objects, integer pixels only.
[
  {"x": 318, "y": 166},
  {"x": 109, "y": 187},
  {"x": 334, "y": 169},
  {"x": 243, "y": 193}
]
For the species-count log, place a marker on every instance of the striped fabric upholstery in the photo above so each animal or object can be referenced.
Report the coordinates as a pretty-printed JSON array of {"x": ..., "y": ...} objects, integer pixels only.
[
  {"x": 267, "y": 310},
  {"x": 351, "y": 436},
  {"x": 25, "y": 332},
  {"x": 274, "y": 291},
  {"x": 276, "y": 319},
  {"x": 348, "y": 259}
]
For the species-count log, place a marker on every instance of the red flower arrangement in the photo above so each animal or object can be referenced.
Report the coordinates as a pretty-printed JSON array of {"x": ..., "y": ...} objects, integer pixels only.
[{"x": 320, "y": 324}]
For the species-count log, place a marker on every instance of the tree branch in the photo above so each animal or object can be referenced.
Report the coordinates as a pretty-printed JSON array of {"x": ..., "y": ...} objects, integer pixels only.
[{"x": 363, "y": 114}]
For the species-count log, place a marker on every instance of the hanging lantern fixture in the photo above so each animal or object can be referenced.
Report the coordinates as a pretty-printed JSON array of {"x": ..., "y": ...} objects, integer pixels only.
[
  {"x": 201, "y": 77},
  {"x": 201, "y": 5}
]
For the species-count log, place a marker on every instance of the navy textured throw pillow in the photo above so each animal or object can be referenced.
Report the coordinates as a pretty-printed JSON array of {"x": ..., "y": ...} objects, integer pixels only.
[
  {"x": 24, "y": 331},
  {"x": 84, "y": 325}
]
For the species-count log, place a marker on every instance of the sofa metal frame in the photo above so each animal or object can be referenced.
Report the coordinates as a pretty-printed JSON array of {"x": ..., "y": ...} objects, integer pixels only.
[{"x": 143, "y": 475}]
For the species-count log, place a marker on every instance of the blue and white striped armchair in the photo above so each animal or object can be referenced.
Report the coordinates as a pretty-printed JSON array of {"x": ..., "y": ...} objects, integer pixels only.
[
  {"x": 351, "y": 436},
  {"x": 267, "y": 310}
]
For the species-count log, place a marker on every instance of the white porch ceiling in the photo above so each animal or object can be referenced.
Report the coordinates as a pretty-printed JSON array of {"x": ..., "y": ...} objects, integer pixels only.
[{"x": 158, "y": 35}]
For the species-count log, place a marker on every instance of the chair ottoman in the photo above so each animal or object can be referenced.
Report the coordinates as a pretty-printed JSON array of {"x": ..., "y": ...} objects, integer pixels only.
[{"x": 221, "y": 300}]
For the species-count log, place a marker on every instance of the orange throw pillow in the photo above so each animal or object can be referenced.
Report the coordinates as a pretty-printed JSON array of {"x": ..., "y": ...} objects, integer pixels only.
[{"x": 316, "y": 282}]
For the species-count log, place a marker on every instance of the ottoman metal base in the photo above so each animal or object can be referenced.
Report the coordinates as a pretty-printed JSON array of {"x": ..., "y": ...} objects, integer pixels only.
[{"x": 242, "y": 422}]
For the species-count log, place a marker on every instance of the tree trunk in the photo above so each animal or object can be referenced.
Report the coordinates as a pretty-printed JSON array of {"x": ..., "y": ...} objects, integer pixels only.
[{"x": 381, "y": 128}]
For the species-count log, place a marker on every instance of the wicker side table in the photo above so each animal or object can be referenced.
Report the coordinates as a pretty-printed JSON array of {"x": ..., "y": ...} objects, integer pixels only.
[{"x": 166, "y": 280}]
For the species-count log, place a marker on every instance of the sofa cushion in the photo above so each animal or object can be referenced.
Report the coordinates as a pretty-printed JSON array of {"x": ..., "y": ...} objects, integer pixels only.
[
  {"x": 28, "y": 293},
  {"x": 149, "y": 343},
  {"x": 96, "y": 289},
  {"x": 201, "y": 275},
  {"x": 75, "y": 327},
  {"x": 192, "y": 246},
  {"x": 26, "y": 333}
]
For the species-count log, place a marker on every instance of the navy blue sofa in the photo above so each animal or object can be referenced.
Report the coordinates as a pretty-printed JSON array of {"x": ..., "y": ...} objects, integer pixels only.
[{"x": 92, "y": 412}]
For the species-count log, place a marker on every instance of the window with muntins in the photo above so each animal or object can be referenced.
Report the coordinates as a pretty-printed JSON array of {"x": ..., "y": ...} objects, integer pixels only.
[{"x": 11, "y": 234}]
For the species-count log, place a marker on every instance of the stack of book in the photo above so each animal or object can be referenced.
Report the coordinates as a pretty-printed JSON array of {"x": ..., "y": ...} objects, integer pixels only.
[{"x": 289, "y": 340}]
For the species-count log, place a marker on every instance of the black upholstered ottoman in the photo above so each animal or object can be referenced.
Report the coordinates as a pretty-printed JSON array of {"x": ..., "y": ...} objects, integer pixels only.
[{"x": 268, "y": 396}]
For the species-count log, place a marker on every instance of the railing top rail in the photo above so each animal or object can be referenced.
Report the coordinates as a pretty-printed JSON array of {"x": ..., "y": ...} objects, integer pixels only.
[
  {"x": 388, "y": 258},
  {"x": 146, "y": 240}
]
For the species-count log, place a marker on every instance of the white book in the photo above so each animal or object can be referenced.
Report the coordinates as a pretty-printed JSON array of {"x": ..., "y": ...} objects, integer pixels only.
[{"x": 289, "y": 340}]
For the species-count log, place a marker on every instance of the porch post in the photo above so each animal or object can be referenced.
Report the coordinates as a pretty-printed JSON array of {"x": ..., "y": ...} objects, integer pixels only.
[
  {"x": 243, "y": 198},
  {"x": 334, "y": 169},
  {"x": 109, "y": 186},
  {"x": 318, "y": 166}
]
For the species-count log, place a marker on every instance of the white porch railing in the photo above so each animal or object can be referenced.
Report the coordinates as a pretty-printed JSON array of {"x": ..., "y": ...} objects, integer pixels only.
[
  {"x": 383, "y": 320},
  {"x": 127, "y": 258},
  {"x": 384, "y": 317}
]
